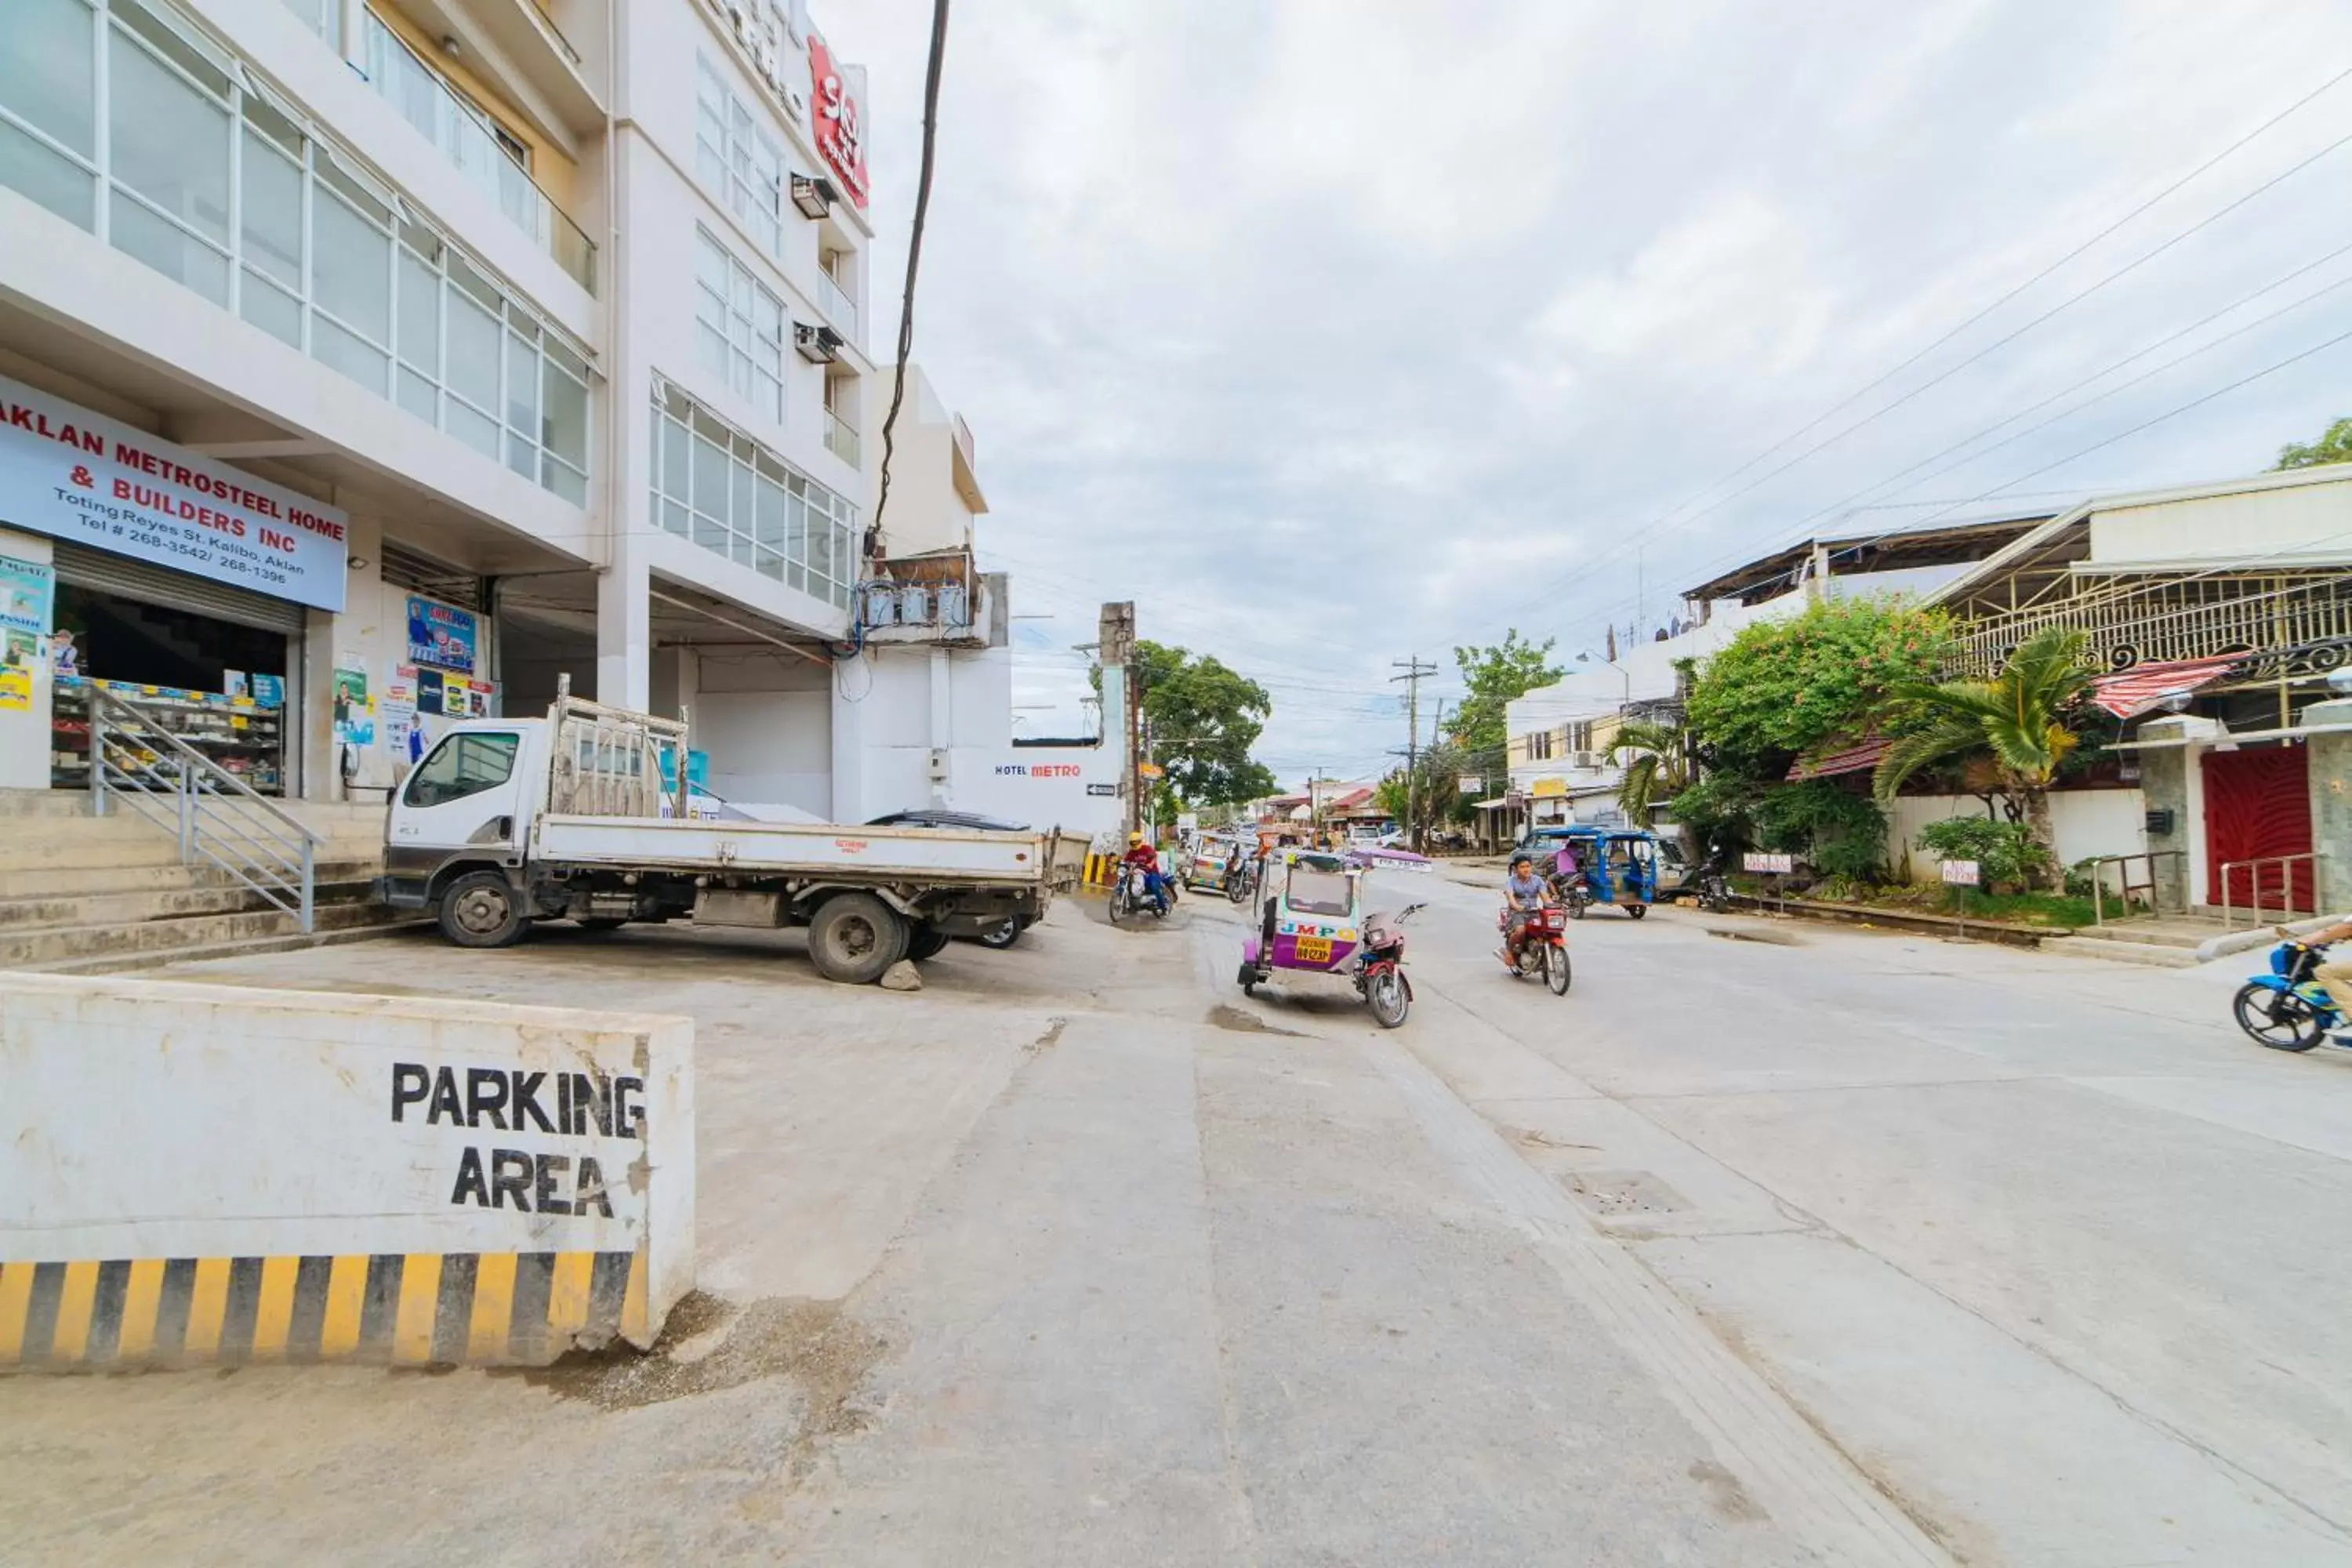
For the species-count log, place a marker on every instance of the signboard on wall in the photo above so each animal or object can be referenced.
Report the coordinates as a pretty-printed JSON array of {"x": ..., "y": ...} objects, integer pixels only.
[
  {"x": 72, "y": 473},
  {"x": 839, "y": 122},
  {"x": 1766, "y": 863},
  {"x": 442, "y": 636}
]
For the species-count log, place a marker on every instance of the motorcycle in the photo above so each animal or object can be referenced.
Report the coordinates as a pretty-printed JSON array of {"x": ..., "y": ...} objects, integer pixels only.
[
  {"x": 2286, "y": 1009},
  {"x": 1714, "y": 891},
  {"x": 1543, "y": 948},
  {"x": 1380, "y": 969},
  {"x": 1241, "y": 878},
  {"x": 1131, "y": 897}
]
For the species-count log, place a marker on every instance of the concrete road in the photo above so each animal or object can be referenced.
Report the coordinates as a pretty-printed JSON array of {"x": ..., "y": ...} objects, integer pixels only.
[{"x": 1768, "y": 1244}]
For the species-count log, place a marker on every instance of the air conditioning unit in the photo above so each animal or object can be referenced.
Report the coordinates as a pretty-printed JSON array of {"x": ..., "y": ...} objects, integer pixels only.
[
  {"x": 818, "y": 344},
  {"x": 814, "y": 195},
  {"x": 1584, "y": 759}
]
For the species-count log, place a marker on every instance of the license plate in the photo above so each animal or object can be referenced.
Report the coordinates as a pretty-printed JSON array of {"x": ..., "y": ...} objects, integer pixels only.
[{"x": 1313, "y": 949}]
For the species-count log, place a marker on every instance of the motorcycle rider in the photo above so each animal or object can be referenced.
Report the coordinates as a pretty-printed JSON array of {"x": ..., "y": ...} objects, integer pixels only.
[
  {"x": 1524, "y": 894},
  {"x": 2335, "y": 975},
  {"x": 1140, "y": 853}
]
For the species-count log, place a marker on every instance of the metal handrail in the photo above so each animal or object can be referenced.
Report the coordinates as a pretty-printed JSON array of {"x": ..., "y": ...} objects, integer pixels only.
[
  {"x": 274, "y": 855},
  {"x": 2286, "y": 884},
  {"x": 2126, "y": 887}
]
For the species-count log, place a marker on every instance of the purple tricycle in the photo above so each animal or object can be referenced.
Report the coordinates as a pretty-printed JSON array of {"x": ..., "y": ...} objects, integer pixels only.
[{"x": 1312, "y": 922}]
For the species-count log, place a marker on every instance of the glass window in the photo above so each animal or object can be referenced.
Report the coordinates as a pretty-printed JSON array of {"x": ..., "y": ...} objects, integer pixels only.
[
  {"x": 137, "y": 231},
  {"x": 48, "y": 177},
  {"x": 420, "y": 313},
  {"x": 461, "y": 765},
  {"x": 48, "y": 68},
  {"x": 354, "y": 356},
  {"x": 1313, "y": 892},
  {"x": 522, "y": 387},
  {"x": 270, "y": 212},
  {"x": 270, "y": 308},
  {"x": 564, "y": 428},
  {"x": 170, "y": 143},
  {"x": 473, "y": 353},
  {"x": 351, "y": 268}
]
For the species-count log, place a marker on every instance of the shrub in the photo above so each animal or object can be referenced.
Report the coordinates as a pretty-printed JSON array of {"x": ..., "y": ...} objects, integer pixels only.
[
  {"x": 1842, "y": 834},
  {"x": 2005, "y": 853}
]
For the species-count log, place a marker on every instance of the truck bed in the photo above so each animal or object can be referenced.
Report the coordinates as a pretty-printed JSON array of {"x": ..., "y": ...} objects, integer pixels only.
[{"x": 930, "y": 855}]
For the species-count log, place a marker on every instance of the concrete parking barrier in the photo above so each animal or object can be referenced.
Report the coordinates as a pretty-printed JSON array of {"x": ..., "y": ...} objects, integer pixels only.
[{"x": 210, "y": 1174}]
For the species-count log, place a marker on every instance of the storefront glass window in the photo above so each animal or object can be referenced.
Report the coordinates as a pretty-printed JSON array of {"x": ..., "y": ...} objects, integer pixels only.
[
  {"x": 725, "y": 491},
  {"x": 208, "y": 181}
]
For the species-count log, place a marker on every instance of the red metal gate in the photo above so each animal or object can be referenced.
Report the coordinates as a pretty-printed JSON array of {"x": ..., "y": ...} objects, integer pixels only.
[{"x": 2258, "y": 804}]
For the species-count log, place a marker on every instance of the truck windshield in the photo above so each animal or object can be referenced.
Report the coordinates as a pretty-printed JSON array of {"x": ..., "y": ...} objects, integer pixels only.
[{"x": 462, "y": 765}]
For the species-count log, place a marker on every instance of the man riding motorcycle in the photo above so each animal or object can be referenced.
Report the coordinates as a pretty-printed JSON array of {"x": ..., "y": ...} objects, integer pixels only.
[
  {"x": 1141, "y": 853},
  {"x": 1524, "y": 894},
  {"x": 2337, "y": 972}
]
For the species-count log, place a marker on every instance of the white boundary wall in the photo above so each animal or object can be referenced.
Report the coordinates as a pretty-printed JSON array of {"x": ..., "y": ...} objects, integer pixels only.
[{"x": 145, "y": 1121}]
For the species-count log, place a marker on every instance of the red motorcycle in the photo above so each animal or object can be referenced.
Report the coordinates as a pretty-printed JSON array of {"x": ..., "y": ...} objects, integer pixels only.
[{"x": 1543, "y": 947}]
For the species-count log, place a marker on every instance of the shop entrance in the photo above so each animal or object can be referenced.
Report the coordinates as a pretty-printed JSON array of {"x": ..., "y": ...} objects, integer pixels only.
[{"x": 221, "y": 684}]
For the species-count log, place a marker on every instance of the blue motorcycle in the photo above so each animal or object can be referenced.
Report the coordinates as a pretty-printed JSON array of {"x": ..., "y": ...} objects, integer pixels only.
[{"x": 2286, "y": 1009}]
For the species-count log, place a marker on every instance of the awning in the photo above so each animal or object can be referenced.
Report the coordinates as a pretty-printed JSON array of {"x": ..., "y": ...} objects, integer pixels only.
[
  {"x": 1497, "y": 804},
  {"x": 1853, "y": 760},
  {"x": 2128, "y": 693}
]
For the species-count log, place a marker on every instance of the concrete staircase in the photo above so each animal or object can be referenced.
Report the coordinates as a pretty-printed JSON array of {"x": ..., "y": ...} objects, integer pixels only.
[{"x": 81, "y": 893}]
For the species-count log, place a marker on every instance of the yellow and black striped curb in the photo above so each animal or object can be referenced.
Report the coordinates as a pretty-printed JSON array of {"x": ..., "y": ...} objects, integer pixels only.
[
  {"x": 416, "y": 1308},
  {"x": 1102, "y": 870}
]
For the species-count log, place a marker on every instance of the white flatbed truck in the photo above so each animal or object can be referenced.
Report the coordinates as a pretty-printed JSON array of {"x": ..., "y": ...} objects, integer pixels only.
[{"x": 585, "y": 815}]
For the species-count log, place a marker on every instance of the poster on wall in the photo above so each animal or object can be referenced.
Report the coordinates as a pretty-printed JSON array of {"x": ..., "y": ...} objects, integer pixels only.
[
  {"x": 428, "y": 691},
  {"x": 269, "y": 691},
  {"x": 26, "y": 594},
  {"x": 442, "y": 636},
  {"x": 355, "y": 708},
  {"x": 15, "y": 689},
  {"x": 75, "y": 475},
  {"x": 398, "y": 710}
]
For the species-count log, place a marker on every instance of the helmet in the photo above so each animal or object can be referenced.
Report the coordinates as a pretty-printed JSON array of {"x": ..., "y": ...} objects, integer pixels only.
[
  {"x": 1523, "y": 860},
  {"x": 1135, "y": 838}
]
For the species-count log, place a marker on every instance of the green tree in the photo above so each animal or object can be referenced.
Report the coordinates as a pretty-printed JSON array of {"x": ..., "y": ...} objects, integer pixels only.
[
  {"x": 1496, "y": 677},
  {"x": 1783, "y": 688},
  {"x": 1203, "y": 719},
  {"x": 2017, "y": 720},
  {"x": 2334, "y": 446},
  {"x": 1658, "y": 765},
  {"x": 1436, "y": 797}
]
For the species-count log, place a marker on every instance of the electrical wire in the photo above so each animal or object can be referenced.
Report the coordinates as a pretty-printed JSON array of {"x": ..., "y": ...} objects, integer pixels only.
[{"x": 914, "y": 253}]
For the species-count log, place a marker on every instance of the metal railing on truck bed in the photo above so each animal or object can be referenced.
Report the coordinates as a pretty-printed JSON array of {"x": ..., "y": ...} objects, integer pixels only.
[{"x": 614, "y": 761}]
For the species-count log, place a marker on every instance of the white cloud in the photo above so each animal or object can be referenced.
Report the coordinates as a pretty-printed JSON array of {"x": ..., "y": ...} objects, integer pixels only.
[{"x": 1332, "y": 328}]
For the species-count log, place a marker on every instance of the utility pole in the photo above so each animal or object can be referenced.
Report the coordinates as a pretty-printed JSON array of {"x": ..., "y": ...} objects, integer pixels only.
[
  {"x": 1412, "y": 672},
  {"x": 1120, "y": 699}
]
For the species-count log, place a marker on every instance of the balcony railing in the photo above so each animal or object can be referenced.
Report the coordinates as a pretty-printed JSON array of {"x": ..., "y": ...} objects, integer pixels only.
[
  {"x": 465, "y": 137},
  {"x": 2287, "y": 625},
  {"x": 841, "y": 438},
  {"x": 839, "y": 307}
]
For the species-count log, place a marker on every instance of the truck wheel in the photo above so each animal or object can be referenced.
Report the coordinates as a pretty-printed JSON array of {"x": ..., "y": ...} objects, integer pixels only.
[
  {"x": 1005, "y": 935},
  {"x": 856, "y": 937},
  {"x": 480, "y": 910},
  {"x": 924, "y": 942}
]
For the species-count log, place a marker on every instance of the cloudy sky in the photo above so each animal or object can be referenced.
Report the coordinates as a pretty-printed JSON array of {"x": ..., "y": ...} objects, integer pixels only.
[{"x": 1334, "y": 331}]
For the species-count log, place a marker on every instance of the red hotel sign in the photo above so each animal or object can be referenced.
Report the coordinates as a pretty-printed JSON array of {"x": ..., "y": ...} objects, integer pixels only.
[{"x": 840, "y": 131}]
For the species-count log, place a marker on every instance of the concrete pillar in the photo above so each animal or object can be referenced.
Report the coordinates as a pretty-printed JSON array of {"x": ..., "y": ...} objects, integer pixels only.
[
  {"x": 942, "y": 715},
  {"x": 2330, "y": 764},
  {"x": 2165, "y": 779},
  {"x": 853, "y": 683},
  {"x": 624, "y": 630}
]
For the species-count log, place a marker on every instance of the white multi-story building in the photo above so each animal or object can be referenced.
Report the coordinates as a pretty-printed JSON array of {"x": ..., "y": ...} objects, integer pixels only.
[{"x": 380, "y": 360}]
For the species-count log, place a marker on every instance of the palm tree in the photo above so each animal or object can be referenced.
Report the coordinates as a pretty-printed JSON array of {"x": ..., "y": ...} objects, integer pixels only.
[
  {"x": 2015, "y": 721},
  {"x": 1660, "y": 768}
]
